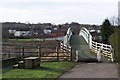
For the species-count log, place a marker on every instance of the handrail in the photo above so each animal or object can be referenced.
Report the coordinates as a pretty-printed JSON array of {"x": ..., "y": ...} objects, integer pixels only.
[{"x": 107, "y": 50}]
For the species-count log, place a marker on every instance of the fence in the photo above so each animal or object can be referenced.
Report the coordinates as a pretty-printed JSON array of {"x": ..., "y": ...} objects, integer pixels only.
[
  {"x": 66, "y": 48},
  {"x": 46, "y": 53},
  {"x": 107, "y": 50}
]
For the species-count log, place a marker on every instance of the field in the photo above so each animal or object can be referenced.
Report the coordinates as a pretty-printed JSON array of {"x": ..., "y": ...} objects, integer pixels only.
[
  {"x": 48, "y": 50},
  {"x": 26, "y": 40},
  {"x": 47, "y": 70},
  {"x": 13, "y": 48}
]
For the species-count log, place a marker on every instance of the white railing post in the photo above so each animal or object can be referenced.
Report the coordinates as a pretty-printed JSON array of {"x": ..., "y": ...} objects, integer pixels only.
[
  {"x": 77, "y": 56},
  {"x": 99, "y": 55},
  {"x": 90, "y": 41},
  {"x": 112, "y": 54}
]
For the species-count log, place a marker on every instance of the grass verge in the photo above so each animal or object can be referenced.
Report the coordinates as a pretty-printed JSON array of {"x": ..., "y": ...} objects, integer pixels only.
[
  {"x": 26, "y": 40},
  {"x": 47, "y": 70}
]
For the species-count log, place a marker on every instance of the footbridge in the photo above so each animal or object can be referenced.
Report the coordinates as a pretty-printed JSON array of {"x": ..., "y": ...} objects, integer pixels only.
[{"x": 84, "y": 48}]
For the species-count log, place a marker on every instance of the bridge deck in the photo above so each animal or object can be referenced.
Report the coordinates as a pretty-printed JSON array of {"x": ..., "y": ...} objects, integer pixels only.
[{"x": 78, "y": 43}]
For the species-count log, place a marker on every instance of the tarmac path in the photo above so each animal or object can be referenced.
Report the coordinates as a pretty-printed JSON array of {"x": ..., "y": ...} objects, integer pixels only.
[
  {"x": 102, "y": 70},
  {"x": 92, "y": 70}
]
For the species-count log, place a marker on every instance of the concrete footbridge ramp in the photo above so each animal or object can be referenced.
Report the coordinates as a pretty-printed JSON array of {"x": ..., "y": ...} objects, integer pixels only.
[
  {"x": 85, "y": 49},
  {"x": 80, "y": 46}
]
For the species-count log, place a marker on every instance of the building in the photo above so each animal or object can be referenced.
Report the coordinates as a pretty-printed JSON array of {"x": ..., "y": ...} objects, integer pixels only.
[
  {"x": 22, "y": 34},
  {"x": 47, "y": 31},
  {"x": 11, "y": 31},
  {"x": 119, "y": 13}
]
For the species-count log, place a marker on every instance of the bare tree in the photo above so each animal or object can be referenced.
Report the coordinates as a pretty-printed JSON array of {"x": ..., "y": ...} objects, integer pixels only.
[
  {"x": 115, "y": 21},
  {"x": 118, "y": 21}
]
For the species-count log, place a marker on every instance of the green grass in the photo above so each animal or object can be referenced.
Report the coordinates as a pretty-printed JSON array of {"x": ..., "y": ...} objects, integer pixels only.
[
  {"x": 25, "y": 40},
  {"x": 22, "y": 40},
  {"x": 47, "y": 70}
]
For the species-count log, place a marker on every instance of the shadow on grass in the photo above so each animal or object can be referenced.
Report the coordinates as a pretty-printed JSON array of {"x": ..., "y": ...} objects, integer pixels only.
[
  {"x": 52, "y": 72},
  {"x": 6, "y": 69},
  {"x": 47, "y": 69}
]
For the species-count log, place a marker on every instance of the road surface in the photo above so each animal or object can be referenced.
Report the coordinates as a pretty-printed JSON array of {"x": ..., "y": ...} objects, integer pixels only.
[{"x": 92, "y": 70}]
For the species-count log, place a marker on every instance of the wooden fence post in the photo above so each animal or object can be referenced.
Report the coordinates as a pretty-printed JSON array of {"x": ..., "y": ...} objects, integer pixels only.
[
  {"x": 22, "y": 51},
  {"x": 9, "y": 54},
  {"x": 57, "y": 53},
  {"x": 66, "y": 49},
  {"x": 71, "y": 55},
  {"x": 39, "y": 52},
  {"x": 63, "y": 48}
]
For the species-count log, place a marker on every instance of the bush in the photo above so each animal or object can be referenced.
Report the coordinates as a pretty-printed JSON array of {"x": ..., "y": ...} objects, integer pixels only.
[{"x": 114, "y": 40}]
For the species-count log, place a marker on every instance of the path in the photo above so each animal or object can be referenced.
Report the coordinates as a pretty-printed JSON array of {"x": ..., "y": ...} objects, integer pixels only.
[
  {"x": 89, "y": 70},
  {"x": 92, "y": 70},
  {"x": 78, "y": 43}
]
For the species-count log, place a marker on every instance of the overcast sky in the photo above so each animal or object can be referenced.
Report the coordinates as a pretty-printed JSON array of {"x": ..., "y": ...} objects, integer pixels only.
[{"x": 57, "y": 11}]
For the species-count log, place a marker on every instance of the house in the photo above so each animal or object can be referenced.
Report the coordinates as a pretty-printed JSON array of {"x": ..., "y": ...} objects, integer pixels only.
[
  {"x": 55, "y": 28},
  {"x": 22, "y": 34},
  {"x": 11, "y": 31},
  {"x": 47, "y": 30}
]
